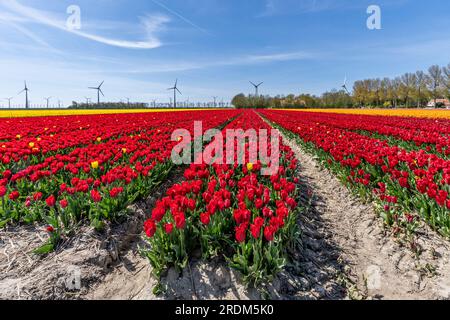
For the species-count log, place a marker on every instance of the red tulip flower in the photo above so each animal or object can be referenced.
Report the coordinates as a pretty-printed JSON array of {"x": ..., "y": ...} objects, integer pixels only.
[
  {"x": 3, "y": 191},
  {"x": 64, "y": 203},
  {"x": 51, "y": 201},
  {"x": 180, "y": 220},
  {"x": 168, "y": 228},
  {"x": 150, "y": 228},
  {"x": 205, "y": 218},
  {"x": 14, "y": 195},
  {"x": 96, "y": 196},
  {"x": 241, "y": 233}
]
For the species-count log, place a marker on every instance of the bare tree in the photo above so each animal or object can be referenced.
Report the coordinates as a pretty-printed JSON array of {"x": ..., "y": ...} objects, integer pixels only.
[
  {"x": 360, "y": 92},
  {"x": 384, "y": 89},
  {"x": 376, "y": 87},
  {"x": 407, "y": 86},
  {"x": 446, "y": 71},
  {"x": 422, "y": 81},
  {"x": 396, "y": 92},
  {"x": 436, "y": 77}
]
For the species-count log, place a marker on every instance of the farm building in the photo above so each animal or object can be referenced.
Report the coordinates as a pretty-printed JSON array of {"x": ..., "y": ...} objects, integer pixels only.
[{"x": 439, "y": 102}]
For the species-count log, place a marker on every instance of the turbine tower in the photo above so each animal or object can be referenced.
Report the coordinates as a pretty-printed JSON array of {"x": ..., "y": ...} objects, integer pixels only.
[
  {"x": 215, "y": 101},
  {"x": 175, "y": 89},
  {"x": 48, "y": 101},
  {"x": 344, "y": 86},
  {"x": 88, "y": 100},
  {"x": 99, "y": 90},
  {"x": 9, "y": 102},
  {"x": 256, "y": 88},
  {"x": 27, "y": 105}
]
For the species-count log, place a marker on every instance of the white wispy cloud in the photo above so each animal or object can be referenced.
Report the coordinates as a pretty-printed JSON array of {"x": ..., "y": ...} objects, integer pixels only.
[
  {"x": 151, "y": 24},
  {"x": 177, "y": 14},
  {"x": 244, "y": 60},
  {"x": 9, "y": 17},
  {"x": 290, "y": 56},
  {"x": 30, "y": 35}
]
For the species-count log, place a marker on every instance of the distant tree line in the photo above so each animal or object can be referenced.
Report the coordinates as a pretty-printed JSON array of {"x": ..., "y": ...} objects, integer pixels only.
[
  {"x": 337, "y": 99},
  {"x": 109, "y": 105},
  {"x": 407, "y": 91}
]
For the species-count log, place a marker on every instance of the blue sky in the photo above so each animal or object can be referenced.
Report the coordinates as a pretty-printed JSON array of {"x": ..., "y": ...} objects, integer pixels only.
[{"x": 214, "y": 47}]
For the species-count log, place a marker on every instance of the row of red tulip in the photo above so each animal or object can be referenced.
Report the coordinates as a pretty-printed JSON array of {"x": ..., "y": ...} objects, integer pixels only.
[{"x": 231, "y": 210}]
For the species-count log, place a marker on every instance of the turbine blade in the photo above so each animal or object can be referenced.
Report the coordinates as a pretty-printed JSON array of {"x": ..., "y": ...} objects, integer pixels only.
[
  {"x": 260, "y": 84},
  {"x": 101, "y": 84},
  {"x": 101, "y": 91},
  {"x": 21, "y": 91},
  {"x": 93, "y": 88},
  {"x": 253, "y": 84},
  {"x": 179, "y": 91}
]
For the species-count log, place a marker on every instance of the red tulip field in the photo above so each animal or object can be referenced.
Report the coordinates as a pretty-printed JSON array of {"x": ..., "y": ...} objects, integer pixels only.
[{"x": 62, "y": 177}]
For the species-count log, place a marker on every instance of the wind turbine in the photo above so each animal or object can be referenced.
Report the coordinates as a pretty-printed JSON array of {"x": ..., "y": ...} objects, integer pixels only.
[
  {"x": 215, "y": 101},
  {"x": 344, "y": 86},
  {"x": 256, "y": 87},
  {"x": 175, "y": 89},
  {"x": 9, "y": 102},
  {"x": 99, "y": 90},
  {"x": 26, "y": 95},
  {"x": 59, "y": 104},
  {"x": 88, "y": 100},
  {"x": 48, "y": 101}
]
